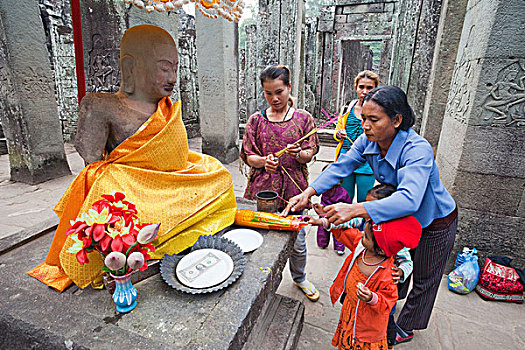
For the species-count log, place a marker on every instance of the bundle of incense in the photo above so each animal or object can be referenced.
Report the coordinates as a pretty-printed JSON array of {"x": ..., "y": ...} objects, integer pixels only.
[{"x": 331, "y": 120}]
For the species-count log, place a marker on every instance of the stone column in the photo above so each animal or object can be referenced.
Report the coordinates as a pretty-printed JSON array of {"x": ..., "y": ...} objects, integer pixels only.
[
  {"x": 481, "y": 151},
  {"x": 217, "y": 62},
  {"x": 447, "y": 40},
  {"x": 28, "y": 107},
  {"x": 251, "y": 78},
  {"x": 413, "y": 50}
]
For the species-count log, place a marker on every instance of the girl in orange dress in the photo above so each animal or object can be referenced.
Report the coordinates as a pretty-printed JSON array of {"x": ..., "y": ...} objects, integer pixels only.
[{"x": 364, "y": 284}]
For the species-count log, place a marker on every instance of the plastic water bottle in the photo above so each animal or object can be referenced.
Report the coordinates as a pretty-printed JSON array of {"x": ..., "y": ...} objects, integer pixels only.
[{"x": 460, "y": 259}]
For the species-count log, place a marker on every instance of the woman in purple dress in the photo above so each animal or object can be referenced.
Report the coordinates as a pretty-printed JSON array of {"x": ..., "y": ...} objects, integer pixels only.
[{"x": 269, "y": 131}]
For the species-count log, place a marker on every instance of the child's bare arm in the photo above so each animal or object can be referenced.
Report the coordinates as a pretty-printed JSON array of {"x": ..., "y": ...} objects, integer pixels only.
[{"x": 315, "y": 221}]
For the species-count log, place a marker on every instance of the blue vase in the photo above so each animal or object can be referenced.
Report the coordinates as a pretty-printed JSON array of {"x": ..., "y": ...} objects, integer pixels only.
[{"x": 125, "y": 295}]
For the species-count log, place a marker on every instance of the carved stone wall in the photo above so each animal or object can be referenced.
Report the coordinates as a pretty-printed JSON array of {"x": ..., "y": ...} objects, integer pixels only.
[
  {"x": 311, "y": 63},
  {"x": 413, "y": 50},
  {"x": 447, "y": 40},
  {"x": 481, "y": 151},
  {"x": 250, "y": 71},
  {"x": 188, "y": 84},
  {"x": 56, "y": 16}
]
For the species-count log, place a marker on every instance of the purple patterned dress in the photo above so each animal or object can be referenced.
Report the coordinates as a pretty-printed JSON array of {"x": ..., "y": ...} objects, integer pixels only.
[
  {"x": 263, "y": 137},
  {"x": 336, "y": 194}
]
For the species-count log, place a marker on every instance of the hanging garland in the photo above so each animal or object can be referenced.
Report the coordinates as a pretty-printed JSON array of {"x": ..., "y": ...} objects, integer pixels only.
[{"x": 228, "y": 9}]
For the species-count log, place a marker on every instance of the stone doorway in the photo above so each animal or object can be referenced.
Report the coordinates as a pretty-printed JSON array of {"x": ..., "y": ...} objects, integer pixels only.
[{"x": 357, "y": 55}]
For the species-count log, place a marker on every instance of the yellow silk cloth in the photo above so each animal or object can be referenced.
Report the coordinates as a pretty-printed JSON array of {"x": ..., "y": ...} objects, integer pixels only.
[{"x": 190, "y": 194}]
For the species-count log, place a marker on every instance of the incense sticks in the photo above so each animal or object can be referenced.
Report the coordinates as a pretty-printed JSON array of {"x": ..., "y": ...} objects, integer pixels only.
[{"x": 331, "y": 120}]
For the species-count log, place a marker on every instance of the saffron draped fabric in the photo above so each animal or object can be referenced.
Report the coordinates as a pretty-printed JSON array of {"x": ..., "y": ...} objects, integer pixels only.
[{"x": 190, "y": 194}]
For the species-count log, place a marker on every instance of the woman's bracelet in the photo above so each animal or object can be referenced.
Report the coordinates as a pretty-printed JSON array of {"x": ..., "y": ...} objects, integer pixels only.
[{"x": 326, "y": 224}]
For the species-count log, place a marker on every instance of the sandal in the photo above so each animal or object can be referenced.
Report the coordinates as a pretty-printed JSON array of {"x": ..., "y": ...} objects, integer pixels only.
[
  {"x": 403, "y": 336},
  {"x": 309, "y": 290}
]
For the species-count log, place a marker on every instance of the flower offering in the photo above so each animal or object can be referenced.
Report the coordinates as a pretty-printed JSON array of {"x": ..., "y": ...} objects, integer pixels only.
[{"x": 112, "y": 228}]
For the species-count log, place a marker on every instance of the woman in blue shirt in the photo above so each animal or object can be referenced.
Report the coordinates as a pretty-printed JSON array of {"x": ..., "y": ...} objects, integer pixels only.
[{"x": 400, "y": 157}]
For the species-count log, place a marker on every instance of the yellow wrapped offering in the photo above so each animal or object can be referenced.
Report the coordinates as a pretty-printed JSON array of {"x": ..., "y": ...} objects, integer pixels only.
[{"x": 269, "y": 221}]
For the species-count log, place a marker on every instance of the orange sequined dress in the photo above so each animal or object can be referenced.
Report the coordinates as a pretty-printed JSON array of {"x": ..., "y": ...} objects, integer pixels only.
[{"x": 343, "y": 337}]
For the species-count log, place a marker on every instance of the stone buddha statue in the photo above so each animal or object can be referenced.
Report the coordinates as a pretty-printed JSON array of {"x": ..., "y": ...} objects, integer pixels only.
[
  {"x": 134, "y": 141},
  {"x": 148, "y": 63}
]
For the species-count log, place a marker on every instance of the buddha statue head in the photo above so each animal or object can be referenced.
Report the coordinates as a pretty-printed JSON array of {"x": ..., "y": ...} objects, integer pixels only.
[{"x": 148, "y": 63}]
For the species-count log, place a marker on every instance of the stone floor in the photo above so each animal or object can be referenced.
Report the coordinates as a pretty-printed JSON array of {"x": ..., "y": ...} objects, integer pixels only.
[{"x": 458, "y": 322}]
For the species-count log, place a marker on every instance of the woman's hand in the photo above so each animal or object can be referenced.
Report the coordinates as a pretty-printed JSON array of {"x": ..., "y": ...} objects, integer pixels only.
[
  {"x": 342, "y": 212},
  {"x": 293, "y": 150},
  {"x": 340, "y": 134},
  {"x": 271, "y": 164},
  {"x": 397, "y": 274},
  {"x": 364, "y": 293},
  {"x": 299, "y": 202}
]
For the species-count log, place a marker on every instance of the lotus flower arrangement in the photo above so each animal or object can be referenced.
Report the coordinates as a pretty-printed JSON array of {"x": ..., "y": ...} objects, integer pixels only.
[{"x": 112, "y": 228}]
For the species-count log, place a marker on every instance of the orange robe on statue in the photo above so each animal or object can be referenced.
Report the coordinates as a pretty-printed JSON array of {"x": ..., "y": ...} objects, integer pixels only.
[{"x": 189, "y": 193}]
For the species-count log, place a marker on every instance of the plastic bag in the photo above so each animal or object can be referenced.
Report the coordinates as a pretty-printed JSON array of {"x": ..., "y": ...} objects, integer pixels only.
[{"x": 464, "y": 278}]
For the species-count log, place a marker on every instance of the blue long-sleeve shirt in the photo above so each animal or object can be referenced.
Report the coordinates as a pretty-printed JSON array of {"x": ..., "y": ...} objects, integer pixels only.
[{"x": 409, "y": 165}]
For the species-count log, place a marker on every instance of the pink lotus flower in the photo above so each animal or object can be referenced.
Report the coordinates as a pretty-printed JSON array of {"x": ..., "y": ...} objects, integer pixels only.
[
  {"x": 115, "y": 261},
  {"x": 148, "y": 233},
  {"x": 135, "y": 260}
]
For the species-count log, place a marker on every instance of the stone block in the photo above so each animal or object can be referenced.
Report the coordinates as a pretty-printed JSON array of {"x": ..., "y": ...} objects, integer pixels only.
[
  {"x": 363, "y": 29},
  {"x": 490, "y": 193},
  {"x": 340, "y": 19},
  {"x": 327, "y": 13},
  {"x": 371, "y": 19},
  {"x": 326, "y": 26},
  {"x": 494, "y": 151},
  {"x": 363, "y": 8},
  {"x": 491, "y": 234}
]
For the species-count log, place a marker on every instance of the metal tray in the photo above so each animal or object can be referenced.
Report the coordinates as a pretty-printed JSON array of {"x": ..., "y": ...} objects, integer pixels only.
[{"x": 169, "y": 263}]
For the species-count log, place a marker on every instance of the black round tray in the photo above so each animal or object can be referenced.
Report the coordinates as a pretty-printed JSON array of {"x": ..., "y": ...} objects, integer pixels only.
[{"x": 169, "y": 263}]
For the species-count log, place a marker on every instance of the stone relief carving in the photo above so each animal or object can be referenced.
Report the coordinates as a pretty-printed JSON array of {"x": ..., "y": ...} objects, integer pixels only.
[
  {"x": 102, "y": 76},
  {"x": 460, "y": 94},
  {"x": 504, "y": 104}
]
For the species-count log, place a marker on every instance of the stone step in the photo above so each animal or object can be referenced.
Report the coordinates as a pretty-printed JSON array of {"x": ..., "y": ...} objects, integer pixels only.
[
  {"x": 3, "y": 146},
  {"x": 279, "y": 325}
]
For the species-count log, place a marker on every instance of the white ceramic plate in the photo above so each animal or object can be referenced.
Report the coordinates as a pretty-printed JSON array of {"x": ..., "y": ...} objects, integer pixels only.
[
  {"x": 204, "y": 268},
  {"x": 247, "y": 239}
]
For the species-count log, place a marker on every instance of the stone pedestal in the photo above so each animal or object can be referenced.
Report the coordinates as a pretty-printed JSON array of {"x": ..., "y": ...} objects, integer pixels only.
[
  {"x": 28, "y": 108},
  {"x": 447, "y": 40},
  {"x": 481, "y": 152},
  {"x": 217, "y": 62}
]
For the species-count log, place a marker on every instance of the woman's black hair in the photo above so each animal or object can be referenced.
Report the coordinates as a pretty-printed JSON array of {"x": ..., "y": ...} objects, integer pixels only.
[
  {"x": 381, "y": 191},
  {"x": 275, "y": 72},
  {"x": 394, "y": 101}
]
